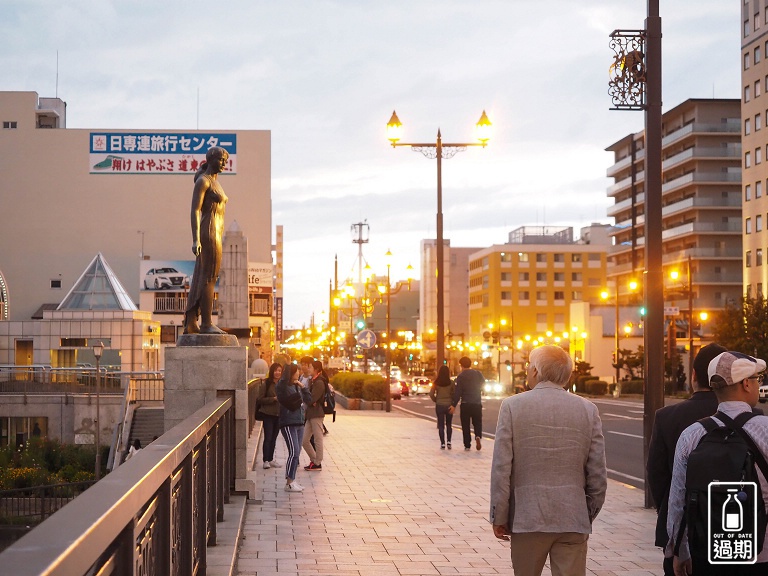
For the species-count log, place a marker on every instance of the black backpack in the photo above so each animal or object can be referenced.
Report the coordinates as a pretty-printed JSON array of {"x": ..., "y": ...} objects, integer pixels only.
[
  {"x": 724, "y": 454},
  {"x": 329, "y": 400}
]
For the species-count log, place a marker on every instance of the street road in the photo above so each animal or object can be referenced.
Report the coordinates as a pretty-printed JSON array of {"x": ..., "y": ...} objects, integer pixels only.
[{"x": 622, "y": 427}]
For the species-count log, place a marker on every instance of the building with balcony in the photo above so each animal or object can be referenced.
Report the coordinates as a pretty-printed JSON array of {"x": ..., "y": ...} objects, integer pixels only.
[
  {"x": 701, "y": 206},
  {"x": 754, "y": 134},
  {"x": 526, "y": 286}
]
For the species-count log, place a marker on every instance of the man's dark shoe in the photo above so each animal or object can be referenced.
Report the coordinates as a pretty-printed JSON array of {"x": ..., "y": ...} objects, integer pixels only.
[{"x": 312, "y": 466}]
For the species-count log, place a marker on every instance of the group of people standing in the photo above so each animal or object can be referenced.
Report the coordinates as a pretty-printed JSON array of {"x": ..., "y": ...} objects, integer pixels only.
[{"x": 290, "y": 403}]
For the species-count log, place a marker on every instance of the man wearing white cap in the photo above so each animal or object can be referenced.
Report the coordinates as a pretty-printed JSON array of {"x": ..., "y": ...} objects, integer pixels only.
[{"x": 735, "y": 379}]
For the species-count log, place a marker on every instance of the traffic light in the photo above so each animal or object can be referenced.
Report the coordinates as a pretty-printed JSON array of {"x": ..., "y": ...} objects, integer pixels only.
[
  {"x": 360, "y": 324},
  {"x": 642, "y": 311}
]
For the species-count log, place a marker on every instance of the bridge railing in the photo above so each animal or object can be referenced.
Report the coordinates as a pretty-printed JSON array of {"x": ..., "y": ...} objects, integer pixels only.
[{"x": 156, "y": 514}]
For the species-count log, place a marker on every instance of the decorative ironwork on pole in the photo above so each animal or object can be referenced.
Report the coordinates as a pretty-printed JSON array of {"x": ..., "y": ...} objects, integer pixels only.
[{"x": 627, "y": 72}]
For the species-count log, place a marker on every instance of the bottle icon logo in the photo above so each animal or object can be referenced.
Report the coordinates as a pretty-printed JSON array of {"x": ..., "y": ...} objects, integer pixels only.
[{"x": 733, "y": 512}]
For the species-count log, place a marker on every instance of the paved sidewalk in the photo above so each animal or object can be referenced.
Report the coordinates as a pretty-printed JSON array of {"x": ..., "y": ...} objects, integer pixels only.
[{"x": 389, "y": 502}]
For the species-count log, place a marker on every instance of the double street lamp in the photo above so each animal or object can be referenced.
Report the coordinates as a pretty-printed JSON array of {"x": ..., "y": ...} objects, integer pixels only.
[{"x": 439, "y": 150}]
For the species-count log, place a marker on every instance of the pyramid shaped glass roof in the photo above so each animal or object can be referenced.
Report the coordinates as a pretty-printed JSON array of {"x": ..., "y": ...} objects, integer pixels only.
[{"x": 97, "y": 289}]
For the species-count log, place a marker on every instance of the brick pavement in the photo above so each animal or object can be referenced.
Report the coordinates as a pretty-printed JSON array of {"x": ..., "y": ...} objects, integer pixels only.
[{"x": 389, "y": 502}]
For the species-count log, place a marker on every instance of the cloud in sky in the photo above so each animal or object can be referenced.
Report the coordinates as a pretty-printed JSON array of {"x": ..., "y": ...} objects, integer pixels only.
[{"x": 324, "y": 77}]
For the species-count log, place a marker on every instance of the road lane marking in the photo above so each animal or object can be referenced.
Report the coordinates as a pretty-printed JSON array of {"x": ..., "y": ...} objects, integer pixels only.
[
  {"x": 622, "y": 416},
  {"x": 625, "y": 434},
  {"x": 641, "y": 481}
]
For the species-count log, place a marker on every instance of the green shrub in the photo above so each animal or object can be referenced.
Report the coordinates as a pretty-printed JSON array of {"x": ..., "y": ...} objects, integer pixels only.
[
  {"x": 359, "y": 385},
  {"x": 632, "y": 387},
  {"x": 375, "y": 388},
  {"x": 581, "y": 382},
  {"x": 596, "y": 387}
]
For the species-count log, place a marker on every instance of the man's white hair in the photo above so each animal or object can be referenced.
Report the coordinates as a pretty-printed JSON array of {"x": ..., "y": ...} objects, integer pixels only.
[{"x": 552, "y": 363}]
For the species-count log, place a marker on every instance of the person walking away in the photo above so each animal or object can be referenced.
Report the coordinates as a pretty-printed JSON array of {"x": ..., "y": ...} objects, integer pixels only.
[
  {"x": 548, "y": 474},
  {"x": 291, "y": 394},
  {"x": 442, "y": 395},
  {"x": 269, "y": 410},
  {"x": 313, "y": 428},
  {"x": 668, "y": 424},
  {"x": 735, "y": 379},
  {"x": 469, "y": 390}
]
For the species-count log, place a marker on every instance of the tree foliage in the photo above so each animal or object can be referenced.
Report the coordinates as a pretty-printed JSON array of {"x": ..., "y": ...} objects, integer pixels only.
[{"x": 744, "y": 327}]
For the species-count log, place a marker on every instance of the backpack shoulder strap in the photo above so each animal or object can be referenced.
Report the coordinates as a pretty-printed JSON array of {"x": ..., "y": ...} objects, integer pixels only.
[
  {"x": 709, "y": 424},
  {"x": 737, "y": 424}
]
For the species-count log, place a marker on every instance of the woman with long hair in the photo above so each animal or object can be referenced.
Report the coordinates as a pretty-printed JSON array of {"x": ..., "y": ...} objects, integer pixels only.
[
  {"x": 269, "y": 411},
  {"x": 292, "y": 394},
  {"x": 442, "y": 395}
]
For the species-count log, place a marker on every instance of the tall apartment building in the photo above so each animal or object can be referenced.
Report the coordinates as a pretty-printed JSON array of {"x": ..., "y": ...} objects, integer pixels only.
[
  {"x": 701, "y": 206},
  {"x": 529, "y": 283},
  {"x": 754, "y": 114}
]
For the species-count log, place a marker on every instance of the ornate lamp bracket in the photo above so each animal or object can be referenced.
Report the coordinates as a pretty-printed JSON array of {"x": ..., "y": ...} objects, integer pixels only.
[{"x": 627, "y": 73}]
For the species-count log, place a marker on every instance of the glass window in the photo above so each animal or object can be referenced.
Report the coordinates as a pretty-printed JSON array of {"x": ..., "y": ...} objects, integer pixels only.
[
  {"x": 594, "y": 257},
  {"x": 485, "y": 282},
  {"x": 523, "y": 295},
  {"x": 748, "y": 226},
  {"x": 759, "y": 288},
  {"x": 746, "y": 60},
  {"x": 757, "y": 48},
  {"x": 576, "y": 276},
  {"x": 522, "y": 276},
  {"x": 576, "y": 295},
  {"x": 575, "y": 257},
  {"x": 759, "y": 257},
  {"x": 541, "y": 257},
  {"x": 506, "y": 295},
  {"x": 506, "y": 257},
  {"x": 746, "y": 93},
  {"x": 748, "y": 259},
  {"x": 758, "y": 122},
  {"x": 758, "y": 189},
  {"x": 559, "y": 276},
  {"x": 594, "y": 282},
  {"x": 541, "y": 295},
  {"x": 759, "y": 223},
  {"x": 758, "y": 155},
  {"x": 506, "y": 277},
  {"x": 757, "y": 88},
  {"x": 559, "y": 295},
  {"x": 747, "y": 193},
  {"x": 747, "y": 159},
  {"x": 522, "y": 256},
  {"x": 541, "y": 276},
  {"x": 559, "y": 257},
  {"x": 747, "y": 126}
]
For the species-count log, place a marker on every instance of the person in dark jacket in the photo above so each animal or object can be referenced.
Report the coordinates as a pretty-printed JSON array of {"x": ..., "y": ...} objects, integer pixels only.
[
  {"x": 669, "y": 423},
  {"x": 269, "y": 410},
  {"x": 442, "y": 395},
  {"x": 314, "y": 416},
  {"x": 469, "y": 390},
  {"x": 292, "y": 394}
]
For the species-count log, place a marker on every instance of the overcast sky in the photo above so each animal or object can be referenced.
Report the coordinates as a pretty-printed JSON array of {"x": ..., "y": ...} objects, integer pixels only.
[{"x": 324, "y": 77}]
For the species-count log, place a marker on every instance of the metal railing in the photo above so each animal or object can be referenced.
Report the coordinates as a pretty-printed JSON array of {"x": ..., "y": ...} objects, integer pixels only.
[
  {"x": 35, "y": 504},
  {"x": 155, "y": 514}
]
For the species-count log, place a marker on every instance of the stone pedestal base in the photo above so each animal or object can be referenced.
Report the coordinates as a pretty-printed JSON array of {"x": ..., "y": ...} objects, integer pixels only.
[{"x": 196, "y": 375}]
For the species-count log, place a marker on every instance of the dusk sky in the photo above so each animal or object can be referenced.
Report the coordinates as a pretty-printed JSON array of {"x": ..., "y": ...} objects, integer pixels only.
[{"x": 324, "y": 78}]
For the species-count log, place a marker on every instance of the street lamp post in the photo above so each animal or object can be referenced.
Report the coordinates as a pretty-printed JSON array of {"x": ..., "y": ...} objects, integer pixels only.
[
  {"x": 98, "y": 349},
  {"x": 437, "y": 150}
]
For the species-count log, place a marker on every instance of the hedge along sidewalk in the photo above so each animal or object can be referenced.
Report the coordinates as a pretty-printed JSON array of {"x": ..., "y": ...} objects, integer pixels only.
[{"x": 354, "y": 385}]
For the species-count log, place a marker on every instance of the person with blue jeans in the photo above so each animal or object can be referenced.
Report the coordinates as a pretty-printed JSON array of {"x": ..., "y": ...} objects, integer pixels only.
[
  {"x": 442, "y": 395},
  {"x": 292, "y": 395},
  {"x": 469, "y": 390}
]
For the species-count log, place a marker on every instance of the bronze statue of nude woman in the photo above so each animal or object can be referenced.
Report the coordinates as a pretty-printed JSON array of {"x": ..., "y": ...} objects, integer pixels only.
[{"x": 207, "y": 216}]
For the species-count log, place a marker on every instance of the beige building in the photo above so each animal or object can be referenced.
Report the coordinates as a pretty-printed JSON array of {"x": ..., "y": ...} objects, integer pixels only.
[
  {"x": 754, "y": 158},
  {"x": 72, "y": 193},
  {"x": 526, "y": 287},
  {"x": 701, "y": 210}
]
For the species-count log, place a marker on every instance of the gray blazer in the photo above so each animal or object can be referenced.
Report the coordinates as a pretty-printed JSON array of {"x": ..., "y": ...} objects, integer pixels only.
[{"x": 548, "y": 472}]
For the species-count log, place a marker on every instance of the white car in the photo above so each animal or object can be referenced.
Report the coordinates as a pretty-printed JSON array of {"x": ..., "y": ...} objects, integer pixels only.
[
  {"x": 763, "y": 392},
  {"x": 162, "y": 278},
  {"x": 421, "y": 385}
]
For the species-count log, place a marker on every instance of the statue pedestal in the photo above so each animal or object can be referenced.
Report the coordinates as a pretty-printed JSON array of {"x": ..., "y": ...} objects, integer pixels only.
[{"x": 198, "y": 374}]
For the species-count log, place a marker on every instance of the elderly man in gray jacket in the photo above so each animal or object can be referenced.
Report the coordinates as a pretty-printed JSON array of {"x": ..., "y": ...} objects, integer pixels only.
[{"x": 548, "y": 478}]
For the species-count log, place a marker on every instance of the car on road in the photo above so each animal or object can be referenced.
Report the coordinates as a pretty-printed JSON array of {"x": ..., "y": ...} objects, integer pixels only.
[
  {"x": 395, "y": 388},
  {"x": 493, "y": 388},
  {"x": 421, "y": 385},
  {"x": 162, "y": 278},
  {"x": 764, "y": 392}
]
